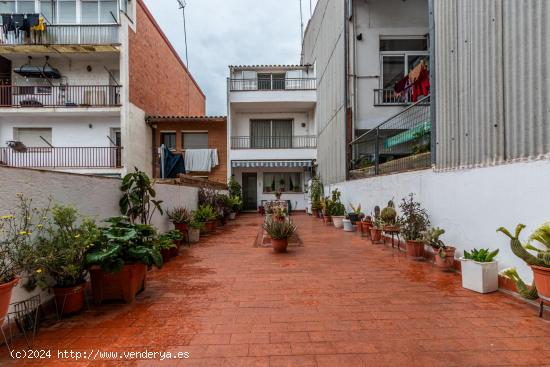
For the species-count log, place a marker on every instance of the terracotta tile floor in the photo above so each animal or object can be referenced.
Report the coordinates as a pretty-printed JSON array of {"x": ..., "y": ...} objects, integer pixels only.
[{"x": 336, "y": 301}]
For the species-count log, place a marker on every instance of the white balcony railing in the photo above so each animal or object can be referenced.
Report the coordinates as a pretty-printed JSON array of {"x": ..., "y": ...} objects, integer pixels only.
[
  {"x": 71, "y": 34},
  {"x": 62, "y": 157},
  {"x": 272, "y": 84}
]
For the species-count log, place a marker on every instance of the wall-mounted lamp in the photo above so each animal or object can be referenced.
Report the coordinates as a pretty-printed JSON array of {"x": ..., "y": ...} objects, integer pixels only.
[
  {"x": 303, "y": 124},
  {"x": 360, "y": 37}
]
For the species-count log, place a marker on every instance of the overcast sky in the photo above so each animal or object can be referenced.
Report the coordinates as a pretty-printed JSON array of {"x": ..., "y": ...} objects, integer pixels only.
[{"x": 231, "y": 32}]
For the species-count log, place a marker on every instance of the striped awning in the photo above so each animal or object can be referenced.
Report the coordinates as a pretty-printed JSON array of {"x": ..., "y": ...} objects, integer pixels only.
[{"x": 272, "y": 164}]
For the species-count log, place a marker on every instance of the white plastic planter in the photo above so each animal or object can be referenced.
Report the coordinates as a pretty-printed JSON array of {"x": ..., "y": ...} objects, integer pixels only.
[
  {"x": 338, "y": 221},
  {"x": 348, "y": 227},
  {"x": 232, "y": 215},
  {"x": 479, "y": 277}
]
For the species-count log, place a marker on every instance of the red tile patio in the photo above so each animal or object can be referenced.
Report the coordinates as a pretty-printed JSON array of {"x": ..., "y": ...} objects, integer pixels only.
[{"x": 336, "y": 301}]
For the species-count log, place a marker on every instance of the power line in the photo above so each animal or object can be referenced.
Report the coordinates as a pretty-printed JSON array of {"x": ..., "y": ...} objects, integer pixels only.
[{"x": 182, "y": 5}]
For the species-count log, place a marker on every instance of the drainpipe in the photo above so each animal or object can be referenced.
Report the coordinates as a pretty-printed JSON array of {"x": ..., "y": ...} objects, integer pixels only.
[
  {"x": 433, "y": 135},
  {"x": 346, "y": 86}
]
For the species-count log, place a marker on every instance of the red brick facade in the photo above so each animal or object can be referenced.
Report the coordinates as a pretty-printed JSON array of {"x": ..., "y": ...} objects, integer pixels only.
[
  {"x": 160, "y": 84},
  {"x": 217, "y": 139}
]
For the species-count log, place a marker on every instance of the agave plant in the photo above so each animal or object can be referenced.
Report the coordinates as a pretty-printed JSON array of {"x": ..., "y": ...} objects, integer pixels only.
[
  {"x": 483, "y": 255},
  {"x": 179, "y": 215},
  {"x": 279, "y": 230}
]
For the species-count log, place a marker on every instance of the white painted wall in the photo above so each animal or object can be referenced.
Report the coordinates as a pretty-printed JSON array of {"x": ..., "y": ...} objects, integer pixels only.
[
  {"x": 375, "y": 19},
  {"x": 137, "y": 140},
  {"x": 240, "y": 123},
  {"x": 469, "y": 204},
  {"x": 96, "y": 197},
  {"x": 299, "y": 200}
]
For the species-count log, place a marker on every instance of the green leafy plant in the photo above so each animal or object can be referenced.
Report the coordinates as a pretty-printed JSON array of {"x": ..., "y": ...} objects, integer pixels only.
[
  {"x": 61, "y": 249},
  {"x": 235, "y": 203},
  {"x": 166, "y": 240},
  {"x": 355, "y": 209},
  {"x": 540, "y": 235},
  {"x": 137, "y": 202},
  {"x": 431, "y": 237},
  {"x": 316, "y": 193},
  {"x": 414, "y": 219},
  {"x": 123, "y": 242},
  {"x": 279, "y": 230},
  {"x": 18, "y": 230},
  {"x": 336, "y": 207},
  {"x": 204, "y": 213},
  {"x": 527, "y": 292},
  {"x": 483, "y": 255},
  {"x": 179, "y": 215},
  {"x": 196, "y": 224},
  {"x": 235, "y": 189}
]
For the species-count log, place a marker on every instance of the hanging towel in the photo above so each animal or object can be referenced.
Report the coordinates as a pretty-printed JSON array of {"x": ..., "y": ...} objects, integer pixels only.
[
  {"x": 198, "y": 160},
  {"x": 173, "y": 164},
  {"x": 214, "y": 153},
  {"x": 415, "y": 73}
]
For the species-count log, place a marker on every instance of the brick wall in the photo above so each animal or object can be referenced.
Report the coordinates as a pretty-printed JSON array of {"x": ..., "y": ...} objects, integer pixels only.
[
  {"x": 217, "y": 138},
  {"x": 160, "y": 84}
]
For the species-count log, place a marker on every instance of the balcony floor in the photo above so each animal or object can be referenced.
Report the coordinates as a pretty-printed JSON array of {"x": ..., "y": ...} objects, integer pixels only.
[{"x": 336, "y": 301}]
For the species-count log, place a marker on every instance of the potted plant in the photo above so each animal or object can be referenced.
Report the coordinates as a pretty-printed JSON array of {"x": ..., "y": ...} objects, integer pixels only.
[
  {"x": 236, "y": 204},
  {"x": 137, "y": 202},
  {"x": 480, "y": 270},
  {"x": 316, "y": 194},
  {"x": 540, "y": 262},
  {"x": 181, "y": 217},
  {"x": 278, "y": 194},
  {"x": 355, "y": 215},
  {"x": 444, "y": 255},
  {"x": 60, "y": 257},
  {"x": 389, "y": 217},
  {"x": 348, "y": 225},
  {"x": 337, "y": 209},
  {"x": 119, "y": 260},
  {"x": 365, "y": 225},
  {"x": 234, "y": 188},
  {"x": 195, "y": 230},
  {"x": 17, "y": 232},
  {"x": 169, "y": 244},
  {"x": 326, "y": 205},
  {"x": 279, "y": 232},
  {"x": 206, "y": 214},
  {"x": 412, "y": 223},
  {"x": 376, "y": 230}
]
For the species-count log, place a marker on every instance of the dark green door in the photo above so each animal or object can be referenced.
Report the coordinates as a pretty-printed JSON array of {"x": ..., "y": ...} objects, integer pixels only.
[{"x": 250, "y": 191}]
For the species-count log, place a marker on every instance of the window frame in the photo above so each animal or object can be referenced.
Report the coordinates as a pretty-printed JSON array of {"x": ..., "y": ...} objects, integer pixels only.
[
  {"x": 277, "y": 175},
  {"x": 271, "y": 142},
  {"x": 404, "y": 54},
  {"x": 163, "y": 132},
  {"x": 183, "y": 132}
]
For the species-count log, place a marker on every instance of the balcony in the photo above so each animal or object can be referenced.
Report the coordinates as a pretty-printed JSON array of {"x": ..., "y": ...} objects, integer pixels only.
[
  {"x": 274, "y": 142},
  {"x": 60, "y": 96},
  {"x": 77, "y": 34},
  {"x": 388, "y": 97},
  {"x": 272, "y": 84},
  {"x": 62, "y": 157}
]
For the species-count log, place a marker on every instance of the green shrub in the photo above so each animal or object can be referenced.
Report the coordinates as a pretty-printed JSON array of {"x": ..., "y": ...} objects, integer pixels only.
[
  {"x": 179, "y": 215},
  {"x": 204, "y": 213}
]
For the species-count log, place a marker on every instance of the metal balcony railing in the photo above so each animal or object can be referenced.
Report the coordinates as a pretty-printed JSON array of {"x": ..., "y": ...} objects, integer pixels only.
[
  {"x": 401, "y": 143},
  {"x": 388, "y": 97},
  {"x": 273, "y": 84},
  {"x": 62, "y": 157},
  {"x": 71, "y": 34},
  {"x": 60, "y": 96},
  {"x": 274, "y": 142}
]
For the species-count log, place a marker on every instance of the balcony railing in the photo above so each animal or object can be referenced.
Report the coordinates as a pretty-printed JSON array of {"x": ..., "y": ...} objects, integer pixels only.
[
  {"x": 388, "y": 97},
  {"x": 272, "y": 84},
  {"x": 73, "y": 34},
  {"x": 63, "y": 157},
  {"x": 401, "y": 143},
  {"x": 274, "y": 142},
  {"x": 60, "y": 96}
]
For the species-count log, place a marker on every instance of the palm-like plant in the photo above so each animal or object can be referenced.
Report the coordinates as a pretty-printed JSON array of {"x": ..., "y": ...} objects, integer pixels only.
[{"x": 137, "y": 202}]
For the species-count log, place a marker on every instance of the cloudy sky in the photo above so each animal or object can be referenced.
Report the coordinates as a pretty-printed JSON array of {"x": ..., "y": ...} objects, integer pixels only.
[{"x": 231, "y": 32}]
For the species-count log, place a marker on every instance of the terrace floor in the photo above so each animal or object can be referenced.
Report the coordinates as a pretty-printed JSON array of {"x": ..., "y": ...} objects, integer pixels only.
[{"x": 337, "y": 300}]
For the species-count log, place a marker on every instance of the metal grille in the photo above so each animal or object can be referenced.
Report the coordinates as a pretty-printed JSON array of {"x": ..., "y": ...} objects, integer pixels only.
[
  {"x": 63, "y": 157},
  {"x": 401, "y": 143}
]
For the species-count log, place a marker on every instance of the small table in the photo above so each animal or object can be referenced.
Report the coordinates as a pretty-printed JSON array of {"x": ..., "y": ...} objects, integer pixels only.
[{"x": 393, "y": 231}]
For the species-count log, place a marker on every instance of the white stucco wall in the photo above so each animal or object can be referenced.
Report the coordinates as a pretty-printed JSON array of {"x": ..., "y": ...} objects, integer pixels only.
[
  {"x": 469, "y": 204},
  {"x": 136, "y": 140},
  {"x": 95, "y": 197},
  {"x": 240, "y": 123}
]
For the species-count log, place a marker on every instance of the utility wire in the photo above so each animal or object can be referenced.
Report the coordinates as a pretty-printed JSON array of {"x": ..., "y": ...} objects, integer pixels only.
[{"x": 182, "y": 5}]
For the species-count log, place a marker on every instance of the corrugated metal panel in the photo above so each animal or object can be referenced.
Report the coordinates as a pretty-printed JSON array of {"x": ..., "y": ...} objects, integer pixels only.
[{"x": 492, "y": 88}]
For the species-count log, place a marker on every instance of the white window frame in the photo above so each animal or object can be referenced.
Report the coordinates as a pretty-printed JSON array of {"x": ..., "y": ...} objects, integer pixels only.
[{"x": 404, "y": 54}]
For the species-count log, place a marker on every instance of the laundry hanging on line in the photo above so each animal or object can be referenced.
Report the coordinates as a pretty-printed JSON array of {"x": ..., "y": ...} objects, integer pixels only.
[{"x": 201, "y": 160}]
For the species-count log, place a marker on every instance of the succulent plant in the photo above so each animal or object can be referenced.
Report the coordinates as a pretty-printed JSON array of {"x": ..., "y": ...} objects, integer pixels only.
[
  {"x": 377, "y": 211},
  {"x": 528, "y": 292},
  {"x": 389, "y": 214},
  {"x": 431, "y": 238},
  {"x": 541, "y": 235},
  {"x": 483, "y": 255}
]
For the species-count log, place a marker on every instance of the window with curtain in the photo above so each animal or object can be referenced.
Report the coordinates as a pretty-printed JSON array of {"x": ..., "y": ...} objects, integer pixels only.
[
  {"x": 195, "y": 140},
  {"x": 66, "y": 11},
  {"x": 399, "y": 56},
  {"x": 282, "y": 181},
  {"x": 265, "y": 134},
  {"x": 168, "y": 139}
]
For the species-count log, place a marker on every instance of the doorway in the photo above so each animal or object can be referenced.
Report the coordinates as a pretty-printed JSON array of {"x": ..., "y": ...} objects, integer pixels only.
[
  {"x": 250, "y": 191},
  {"x": 5, "y": 82}
]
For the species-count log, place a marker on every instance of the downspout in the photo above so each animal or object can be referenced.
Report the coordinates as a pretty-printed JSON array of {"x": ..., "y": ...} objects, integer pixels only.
[
  {"x": 431, "y": 34},
  {"x": 346, "y": 86}
]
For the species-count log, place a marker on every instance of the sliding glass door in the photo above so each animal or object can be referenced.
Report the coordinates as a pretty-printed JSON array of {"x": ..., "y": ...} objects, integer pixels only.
[{"x": 265, "y": 134}]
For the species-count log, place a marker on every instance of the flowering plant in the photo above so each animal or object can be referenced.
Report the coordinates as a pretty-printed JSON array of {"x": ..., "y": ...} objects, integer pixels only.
[{"x": 18, "y": 228}]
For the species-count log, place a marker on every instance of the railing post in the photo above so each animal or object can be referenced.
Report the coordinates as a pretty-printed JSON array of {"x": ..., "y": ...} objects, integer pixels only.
[{"x": 377, "y": 153}]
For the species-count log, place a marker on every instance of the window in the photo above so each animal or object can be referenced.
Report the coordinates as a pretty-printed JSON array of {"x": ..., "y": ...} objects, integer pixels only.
[
  {"x": 168, "y": 139},
  {"x": 7, "y": 7},
  {"x": 17, "y": 6},
  {"x": 195, "y": 140},
  {"x": 32, "y": 137},
  {"x": 270, "y": 134},
  {"x": 47, "y": 10},
  {"x": 108, "y": 11},
  {"x": 268, "y": 81},
  {"x": 25, "y": 6},
  {"x": 98, "y": 11},
  {"x": 399, "y": 56},
  {"x": 66, "y": 11},
  {"x": 284, "y": 182}
]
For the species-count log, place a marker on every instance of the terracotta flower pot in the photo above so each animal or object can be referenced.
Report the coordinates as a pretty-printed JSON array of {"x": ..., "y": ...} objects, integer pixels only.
[
  {"x": 542, "y": 281},
  {"x": 166, "y": 254},
  {"x": 69, "y": 300},
  {"x": 194, "y": 235},
  {"x": 5, "y": 297},
  {"x": 123, "y": 285},
  {"x": 375, "y": 234},
  {"x": 447, "y": 261},
  {"x": 175, "y": 251},
  {"x": 279, "y": 245},
  {"x": 415, "y": 248},
  {"x": 327, "y": 219},
  {"x": 210, "y": 226},
  {"x": 182, "y": 228}
]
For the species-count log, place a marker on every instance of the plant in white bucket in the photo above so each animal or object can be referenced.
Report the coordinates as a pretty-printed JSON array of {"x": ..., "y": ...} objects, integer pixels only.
[{"x": 480, "y": 270}]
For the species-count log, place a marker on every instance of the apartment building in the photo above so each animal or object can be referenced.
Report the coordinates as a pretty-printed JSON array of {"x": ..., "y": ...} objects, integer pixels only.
[
  {"x": 77, "y": 80},
  {"x": 361, "y": 50},
  {"x": 272, "y": 131}
]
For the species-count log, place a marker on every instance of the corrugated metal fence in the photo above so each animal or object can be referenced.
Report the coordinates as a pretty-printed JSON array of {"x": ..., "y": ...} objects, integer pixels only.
[{"x": 493, "y": 81}]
